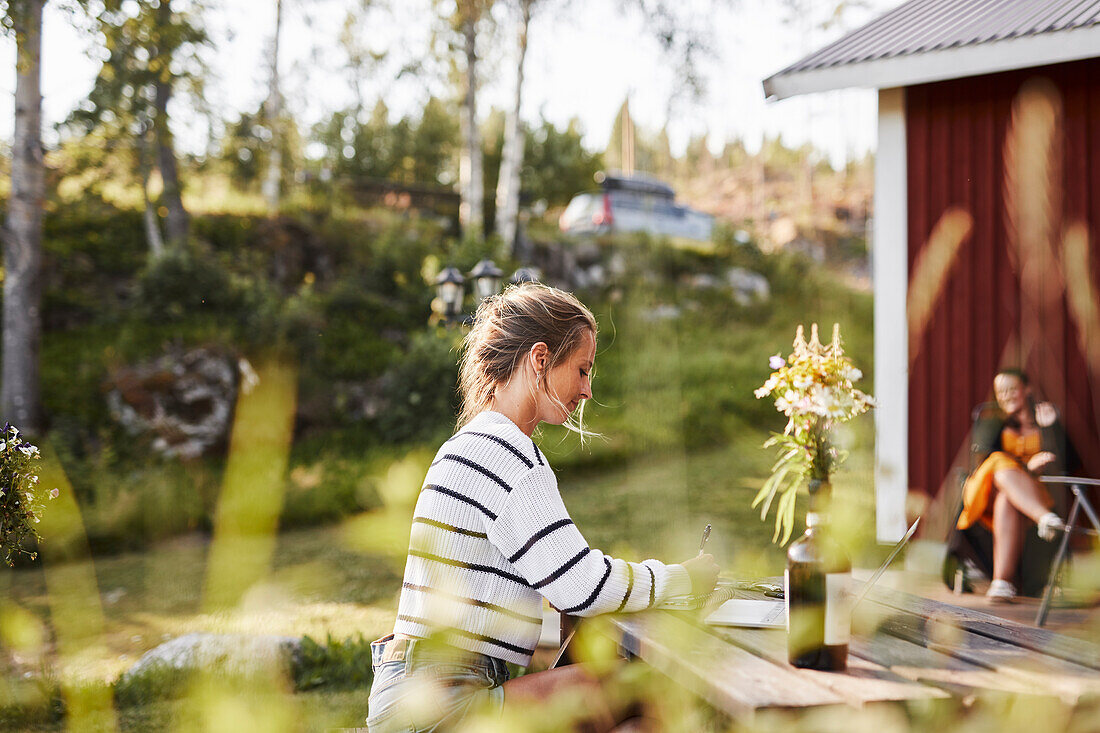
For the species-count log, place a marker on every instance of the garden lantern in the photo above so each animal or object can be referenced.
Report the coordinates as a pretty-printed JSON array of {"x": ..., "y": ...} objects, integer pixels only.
[
  {"x": 449, "y": 287},
  {"x": 486, "y": 276}
]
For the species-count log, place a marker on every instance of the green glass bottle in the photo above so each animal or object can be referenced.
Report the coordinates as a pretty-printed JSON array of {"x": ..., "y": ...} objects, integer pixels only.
[{"x": 818, "y": 597}]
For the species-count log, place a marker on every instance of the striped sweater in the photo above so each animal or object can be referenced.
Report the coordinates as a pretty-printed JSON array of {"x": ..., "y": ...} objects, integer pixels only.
[{"x": 490, "y": 537}]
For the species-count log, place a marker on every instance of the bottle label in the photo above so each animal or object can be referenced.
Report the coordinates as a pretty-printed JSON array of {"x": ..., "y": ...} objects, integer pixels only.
[{"x": 838, "y": 608}]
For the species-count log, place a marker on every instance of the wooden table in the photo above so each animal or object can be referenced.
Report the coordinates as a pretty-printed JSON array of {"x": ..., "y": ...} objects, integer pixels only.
[{"x": 904, "y": 647}]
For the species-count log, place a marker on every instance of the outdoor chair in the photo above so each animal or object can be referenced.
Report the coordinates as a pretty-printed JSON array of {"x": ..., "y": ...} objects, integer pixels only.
[{"x": 1077, "y": 487}]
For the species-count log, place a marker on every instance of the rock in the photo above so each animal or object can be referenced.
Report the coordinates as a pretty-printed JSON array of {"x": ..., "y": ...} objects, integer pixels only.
[
  {"x": 224, "y": 653},
  {"x": 748, "y": 287},
  {"x": 185, "y": 400}
]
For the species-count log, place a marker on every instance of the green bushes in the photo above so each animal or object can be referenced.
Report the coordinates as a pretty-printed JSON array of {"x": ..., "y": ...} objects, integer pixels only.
[
  {"x": 420, "y": 385},
  {"x": 338, "y": 664},
  {"x": 342, "y": 293}
]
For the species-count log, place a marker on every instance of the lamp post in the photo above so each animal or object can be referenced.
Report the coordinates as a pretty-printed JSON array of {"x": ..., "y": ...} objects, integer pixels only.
[
  {"x": 449, "y": 288},
  {"x": 486, "y": 276}
]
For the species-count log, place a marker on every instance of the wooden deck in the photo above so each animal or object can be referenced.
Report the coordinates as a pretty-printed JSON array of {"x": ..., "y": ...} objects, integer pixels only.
[{"x": 907, "y": 646}]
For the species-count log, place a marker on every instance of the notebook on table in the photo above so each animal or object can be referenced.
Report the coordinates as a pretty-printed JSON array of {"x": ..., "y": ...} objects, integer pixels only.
[
  {"x": 724, "y": 590},
  {"x": 769, "y": 613},
  {"x": 750, "y": 612}
]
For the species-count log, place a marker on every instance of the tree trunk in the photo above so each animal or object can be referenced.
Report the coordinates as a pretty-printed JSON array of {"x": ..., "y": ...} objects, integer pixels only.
[
  {"x": 176, "y": 222},
  {"x": 19, "y": 393},
  {"x": 511, "y": 162},
  {"x": 152, "y": 222},
  {"x": 470, "y": 214},
  {"x": 273, "y": 112}
]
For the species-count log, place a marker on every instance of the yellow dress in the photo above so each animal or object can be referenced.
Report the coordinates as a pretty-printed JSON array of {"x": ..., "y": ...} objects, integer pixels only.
[{"x": 979, "y": 490}]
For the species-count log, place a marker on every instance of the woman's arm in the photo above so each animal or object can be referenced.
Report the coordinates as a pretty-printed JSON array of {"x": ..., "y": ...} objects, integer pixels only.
[{"x": 535, "y": 533}]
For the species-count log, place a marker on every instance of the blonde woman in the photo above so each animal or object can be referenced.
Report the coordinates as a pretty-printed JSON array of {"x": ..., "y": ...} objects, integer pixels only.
[{"x": 491, "y": 537}]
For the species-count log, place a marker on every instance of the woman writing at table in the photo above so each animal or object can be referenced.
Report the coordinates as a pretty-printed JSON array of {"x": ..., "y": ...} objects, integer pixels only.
[
  {"x": 491, "y": 537},
  {"x": 1004, "y": 493}
]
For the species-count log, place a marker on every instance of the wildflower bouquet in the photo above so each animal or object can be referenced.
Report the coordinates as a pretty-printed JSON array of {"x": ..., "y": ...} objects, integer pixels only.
[
  {"x": 814, "y": 388},
  {"x": 21, "y": 500}
]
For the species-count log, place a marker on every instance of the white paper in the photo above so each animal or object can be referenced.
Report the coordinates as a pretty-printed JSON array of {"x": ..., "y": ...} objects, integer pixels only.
[
  {"x": 751, "y": 613},
  {"x": 838, "y": 608}
]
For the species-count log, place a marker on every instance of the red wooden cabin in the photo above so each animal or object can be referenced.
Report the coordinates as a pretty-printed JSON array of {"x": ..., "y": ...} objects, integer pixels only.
[{"x": 987, "y": 212}]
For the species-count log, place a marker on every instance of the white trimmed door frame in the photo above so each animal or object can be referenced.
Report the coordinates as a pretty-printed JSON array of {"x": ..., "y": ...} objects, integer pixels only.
[{"x": 890, "y": 273}]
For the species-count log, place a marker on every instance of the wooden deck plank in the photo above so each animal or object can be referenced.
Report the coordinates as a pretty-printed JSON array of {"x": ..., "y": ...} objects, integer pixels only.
[
  {"x": 1044, "y": 674},
  {"x": 1077, "y": 651},
  {"x": 730, "y": 678},
  {"x": 921, "y": 664},
  {"x": 865, "y": 681}
]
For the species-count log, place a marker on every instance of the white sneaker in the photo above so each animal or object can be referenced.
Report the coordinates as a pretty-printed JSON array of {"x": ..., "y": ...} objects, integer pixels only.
[
  {"x": 1050, "y": 526},
  {"x": 1001, "y": 591}
]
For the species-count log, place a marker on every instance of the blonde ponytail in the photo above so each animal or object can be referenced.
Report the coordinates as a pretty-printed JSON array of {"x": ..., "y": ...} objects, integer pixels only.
[{"x": 505, "y": 328}]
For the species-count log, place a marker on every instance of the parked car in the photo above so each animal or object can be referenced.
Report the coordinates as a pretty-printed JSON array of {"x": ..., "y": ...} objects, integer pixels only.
[{"x": 634, "y": 204}]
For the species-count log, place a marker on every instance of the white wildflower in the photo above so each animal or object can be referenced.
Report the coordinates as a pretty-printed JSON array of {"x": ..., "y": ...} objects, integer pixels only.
[
  {"x": 786, "y": 401},
  {"x": 54, "y": 493},
  {"x": 772, "y": 383}
]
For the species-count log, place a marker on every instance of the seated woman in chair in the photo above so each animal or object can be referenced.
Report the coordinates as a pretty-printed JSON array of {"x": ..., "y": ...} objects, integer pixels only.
[{"x": 1004, "y": 493}]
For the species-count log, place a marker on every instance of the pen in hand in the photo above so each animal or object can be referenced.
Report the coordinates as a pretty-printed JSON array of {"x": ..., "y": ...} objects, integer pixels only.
[{"x": 706, "y": 536}]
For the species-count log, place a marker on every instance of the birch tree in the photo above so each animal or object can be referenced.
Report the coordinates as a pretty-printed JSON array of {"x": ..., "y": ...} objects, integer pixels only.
[
  {"x": 19, "y": 392},
  {"x": 273, "y": 111},
  {"x": 511, "y": 162},
  {"x": 177, "y": 222},
  {"x": 129, "y": 102},
  {"x": 467, "y": 17}
]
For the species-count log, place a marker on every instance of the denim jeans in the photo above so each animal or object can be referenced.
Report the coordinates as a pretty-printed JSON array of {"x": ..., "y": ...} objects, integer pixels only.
[{"x": 431, "y": 687}]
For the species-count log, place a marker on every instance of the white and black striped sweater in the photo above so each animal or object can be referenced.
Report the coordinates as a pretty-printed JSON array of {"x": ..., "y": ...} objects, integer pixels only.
[{"x": 491, "y": 536}]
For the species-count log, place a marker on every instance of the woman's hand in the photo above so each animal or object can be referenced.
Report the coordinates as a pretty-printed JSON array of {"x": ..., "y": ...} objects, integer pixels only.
[
  {"x": 703, "y": 571},
  {"x": 1040, "y": 460},
  {"x": 1045, "y": 414}
]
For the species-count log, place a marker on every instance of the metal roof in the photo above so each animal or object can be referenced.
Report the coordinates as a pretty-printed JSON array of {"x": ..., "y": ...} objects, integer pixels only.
[{"x": 921, "y": 27}]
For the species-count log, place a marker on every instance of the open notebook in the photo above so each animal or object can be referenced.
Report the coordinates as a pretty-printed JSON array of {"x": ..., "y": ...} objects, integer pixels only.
[
  {"x": 726, "y": 605},
  {"x": 729, "y": 610},
  {"x": 750, "y": 612}
]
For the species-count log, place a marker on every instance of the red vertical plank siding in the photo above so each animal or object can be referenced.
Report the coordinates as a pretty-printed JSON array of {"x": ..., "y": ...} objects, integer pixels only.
[
  {"x": 959, "y": 324},
  {"x": 1076, "y": 116},
  {"x": 938, "y": 351},
  {"x": 1008, "y": 300},
  {"x": 956, "y": 142},
  {"x": 986, "y": 343},
  {"x": 916, "y": 132}
]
